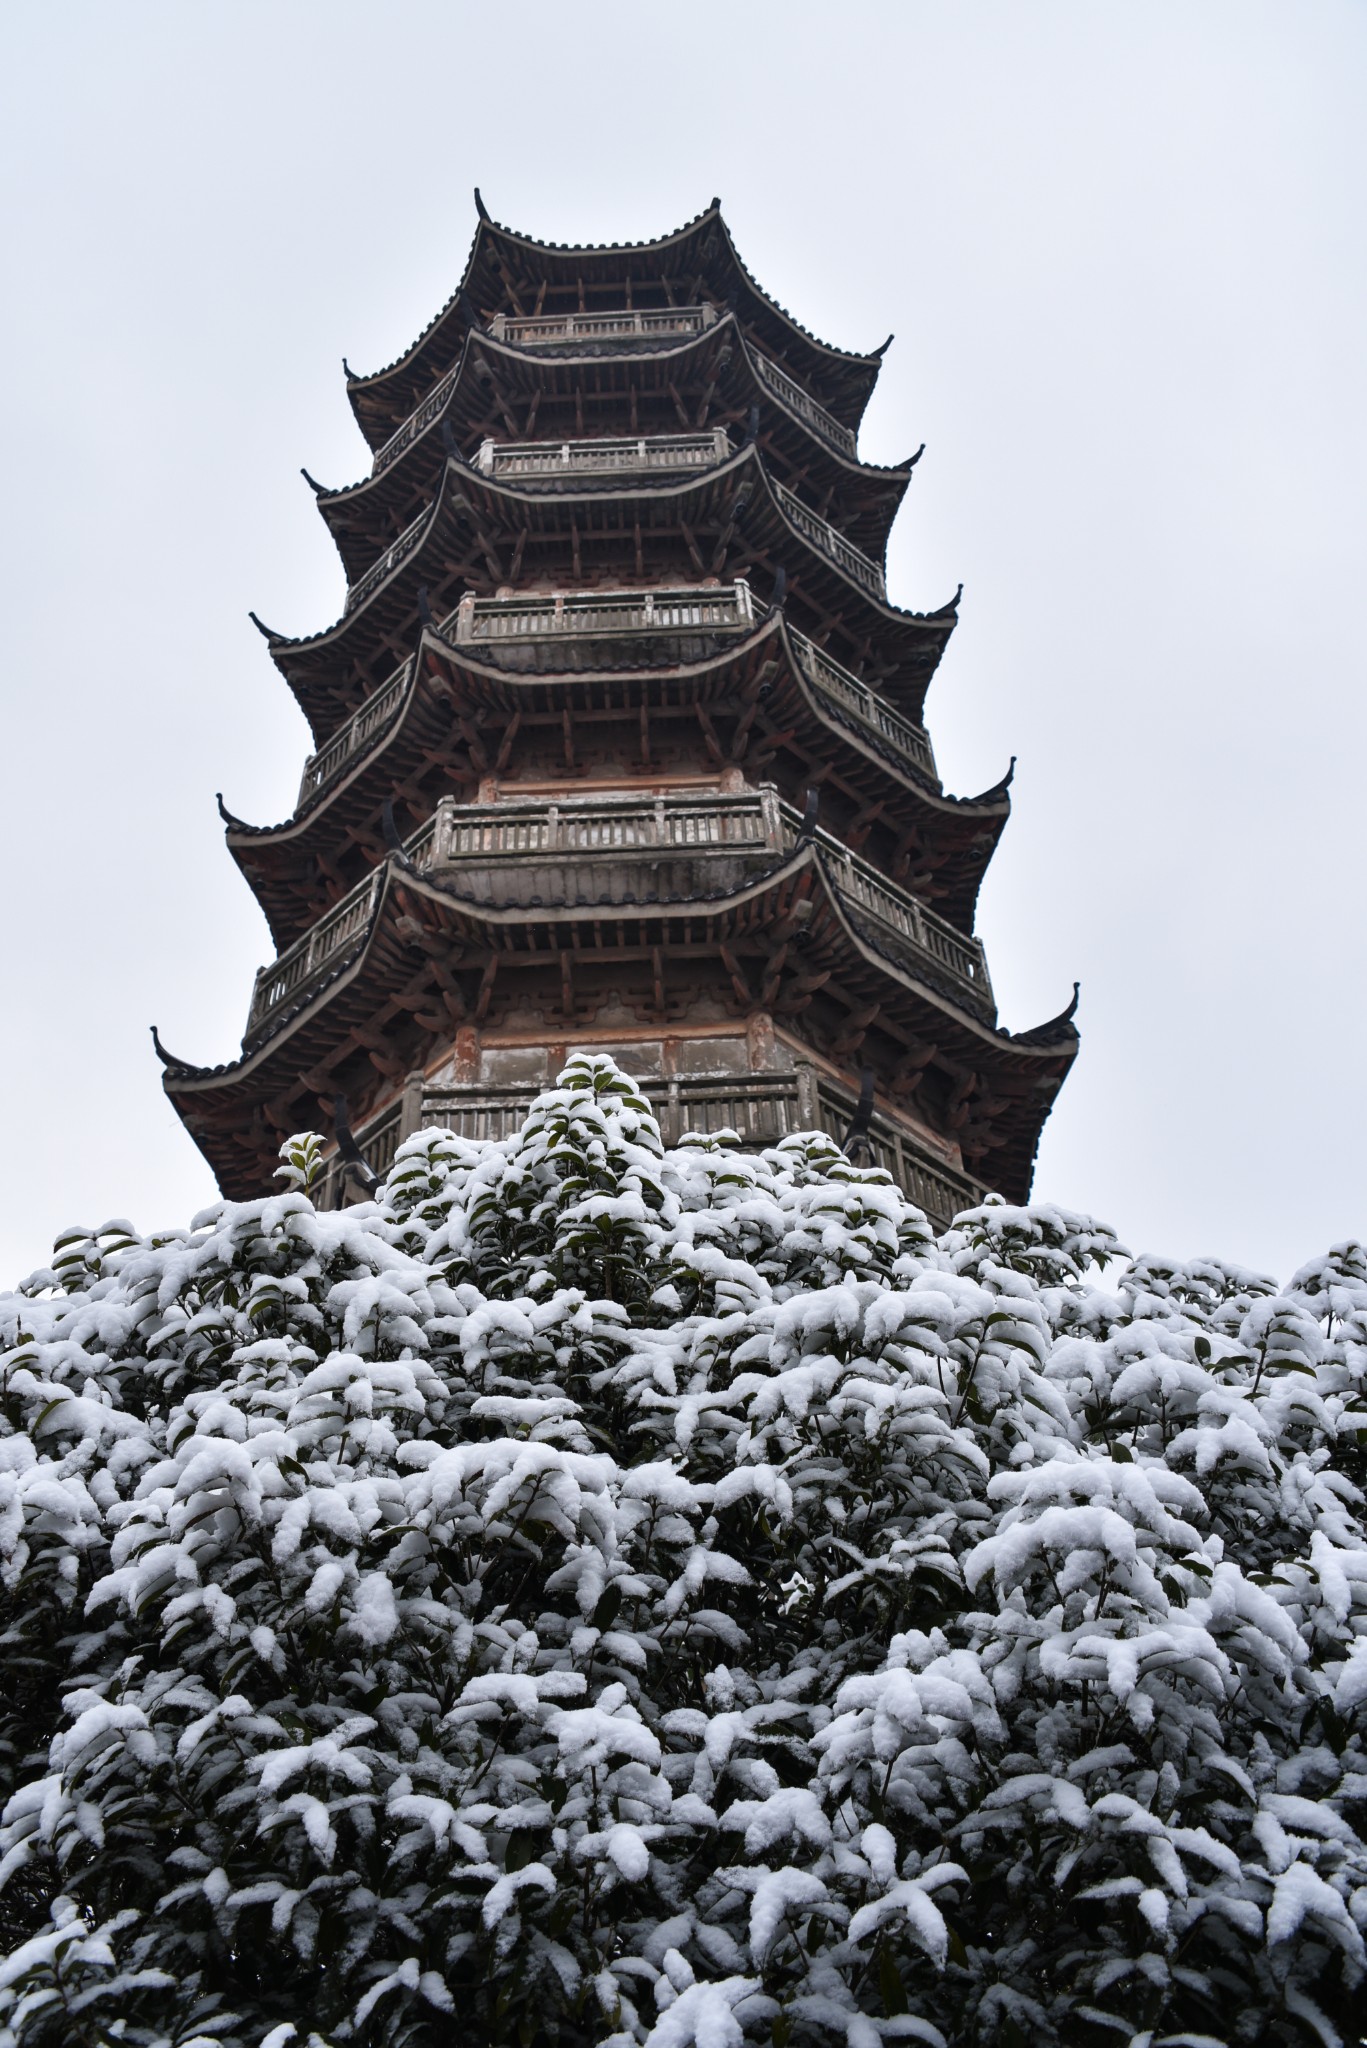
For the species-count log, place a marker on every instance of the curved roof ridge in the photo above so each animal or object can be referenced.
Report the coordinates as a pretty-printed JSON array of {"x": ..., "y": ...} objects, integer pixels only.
[
  {"x": 487, "y": 224},
  {"x": 772, "y": 624},
  {"x": 1057, "y": 1030},
  {"x": 496, "y": 486},
  {"x": 862, "y": 356},
  {"x": 498, "y": 346},
  {"x": 486, "y": 220},
  {"x": 791, "y": 862},
  {"x": 851, "y": 355}
]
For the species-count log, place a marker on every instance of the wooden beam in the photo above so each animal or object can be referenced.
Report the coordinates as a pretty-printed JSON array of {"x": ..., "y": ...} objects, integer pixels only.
[
  {"x": 739, "y": 982},
  {"x": 486, "y": 988},
  {"x": 691, "y": 544}
]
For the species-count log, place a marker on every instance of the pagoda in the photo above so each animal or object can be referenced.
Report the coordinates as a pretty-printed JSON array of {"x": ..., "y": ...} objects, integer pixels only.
[{"x": 620, "y": 745}]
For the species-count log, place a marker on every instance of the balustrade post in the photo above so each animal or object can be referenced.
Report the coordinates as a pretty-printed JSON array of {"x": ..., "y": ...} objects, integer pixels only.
[
  {"x": 808, "y": 1109},
  {"x": 410, "y": 1113}
]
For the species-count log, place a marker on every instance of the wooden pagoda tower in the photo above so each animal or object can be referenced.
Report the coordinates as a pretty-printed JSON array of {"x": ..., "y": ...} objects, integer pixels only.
[{"x": 620, "y": 745}]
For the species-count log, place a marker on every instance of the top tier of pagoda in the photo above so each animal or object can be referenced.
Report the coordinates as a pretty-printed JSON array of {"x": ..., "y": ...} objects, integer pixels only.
[
  {"x": 692, "y": 275},
  {"x": 619, "y": 742}
]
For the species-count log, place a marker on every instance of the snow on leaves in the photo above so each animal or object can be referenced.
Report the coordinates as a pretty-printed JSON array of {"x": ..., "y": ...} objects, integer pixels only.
[{"x": 595, "y": 1594}]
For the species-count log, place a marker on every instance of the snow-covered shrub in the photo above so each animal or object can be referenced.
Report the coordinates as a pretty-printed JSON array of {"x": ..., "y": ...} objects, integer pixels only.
[{"x": 600, "y": 1594}]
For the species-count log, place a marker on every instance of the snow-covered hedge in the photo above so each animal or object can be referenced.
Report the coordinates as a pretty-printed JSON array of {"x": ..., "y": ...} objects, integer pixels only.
[{"x": 600, "y": 1594}]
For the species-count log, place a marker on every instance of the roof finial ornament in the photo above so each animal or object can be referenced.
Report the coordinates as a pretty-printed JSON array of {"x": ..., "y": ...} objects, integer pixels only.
[
  {"x": 349, "y": 373},
  {"x": 480, "y": 208},
  {"x": 262, "y": 629},
  {"x": 917, "y": 456},
  {"x": 168, "y": 1059},
  {"x": 353, "y": 1158},
  {"x": 998, "y": 788},
  {"x": 319, "y": 490},
  {"x": 946, "y": 610},
  {"x": 426, "y": 619},
  {"x": 226, "y": 815},
  {"x": 751, "y": 425},
  {"x": 882, "y": 351},
  {"x": 780, "y": 590},
  {"x": 448, "y": 440},
  {"x": 809, "y": 818},
  {"x": 1046, "y": 1034}
]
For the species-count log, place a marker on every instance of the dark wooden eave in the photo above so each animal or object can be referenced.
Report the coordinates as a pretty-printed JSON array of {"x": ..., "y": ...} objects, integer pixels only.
[
  {"x": 372, "y": 1006},
  {"x": 461, "y": 715},
  {"x": 498, "y": 390},
  {"x": 505, "y": 271},
  {"x": 727, "y": 521}
]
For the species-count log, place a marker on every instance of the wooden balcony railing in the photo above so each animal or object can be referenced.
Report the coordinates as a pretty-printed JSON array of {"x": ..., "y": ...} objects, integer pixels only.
[
  {"x": 833, "y": 543},
  {"x": 597, "y": 850},
  {"x": 908, "y": 919},
  {"x": 519, "y": 829},
  {"x": 388, "y": 562},
  {"x": 762, "y": 1109},
  {"x": 534, "y": 460},
  {"x": 610, "y": 326},
  {"x": 421, "y": 418},
  {"x": 307, "y": 958},
  {"x": 728, "y": 608},
  {"x": 659, "y": 324},
  {"x": 803, "y": 404},
  {"x": 353, "y": 737},
  {"x": 835, "y": 683}
]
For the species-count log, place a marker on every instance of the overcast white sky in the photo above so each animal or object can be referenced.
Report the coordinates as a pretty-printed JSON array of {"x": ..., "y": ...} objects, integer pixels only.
[{"x": 1122, "y": 249}]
